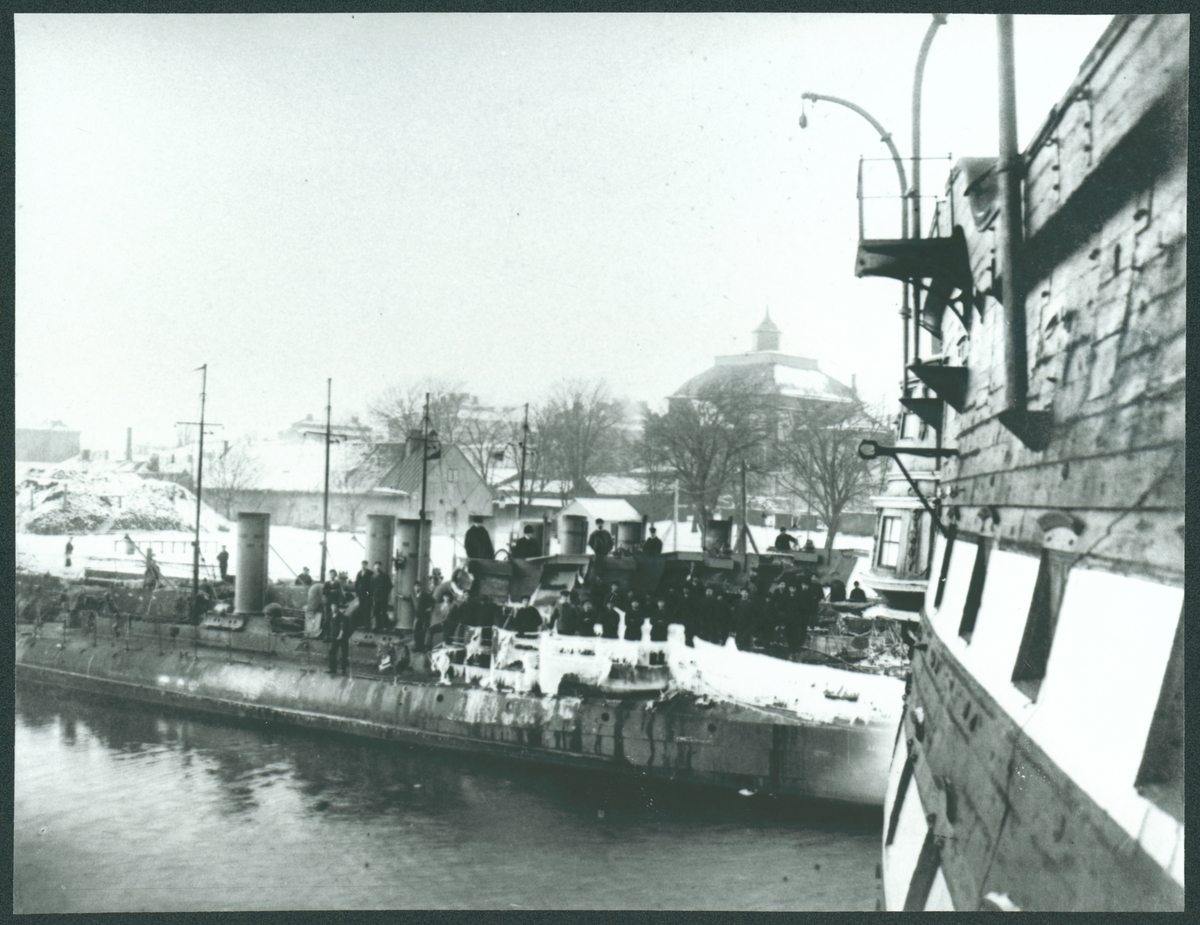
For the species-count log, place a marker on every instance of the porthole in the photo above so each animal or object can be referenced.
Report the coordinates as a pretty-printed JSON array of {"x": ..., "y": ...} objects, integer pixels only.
[
  {"x": 439, "y": 698},
  {"x": 712, "y": 727},
  {"x": 604, "y": 717}
]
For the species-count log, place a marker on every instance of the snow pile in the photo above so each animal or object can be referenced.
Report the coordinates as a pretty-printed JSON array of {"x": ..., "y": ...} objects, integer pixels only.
[
  {"x": 814, "y": 692},
  {"x": 65, "y": 500}
]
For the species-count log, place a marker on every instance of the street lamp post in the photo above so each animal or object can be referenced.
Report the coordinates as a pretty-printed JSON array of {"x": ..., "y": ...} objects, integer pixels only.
[
  {"x": 886, "y": 137},
  {"x": 906, "y": 192}
]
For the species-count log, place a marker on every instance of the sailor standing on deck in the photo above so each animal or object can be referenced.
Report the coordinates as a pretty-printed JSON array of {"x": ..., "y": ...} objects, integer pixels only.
[
  {"x": 314, "y": 611},
  {"x": 527, "y": 619},
  {"x": 562, "y": 618},
  {"x": 381, "y": 590},
  {"x": 527, "y": 546},
  {"x": 601, "y": 541},
  {"x": 785, "y": 542},
  {"x": 331, "y": 598},
  {"x": 745, "y": 620},
  {"x": 223, "y": 563},
  {"x": 423, "y": 613},
  {"x": 652, "y": 546},
  {"x": 477, "y": 542},
  {"x": 362, "y": 592}
]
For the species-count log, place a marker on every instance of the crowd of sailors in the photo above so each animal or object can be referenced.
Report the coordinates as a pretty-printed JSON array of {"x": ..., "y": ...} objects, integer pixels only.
[{"x": 775, "y": 616}]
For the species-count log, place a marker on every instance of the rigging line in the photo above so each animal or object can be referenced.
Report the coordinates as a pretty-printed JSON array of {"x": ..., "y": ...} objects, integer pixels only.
[{"x": 1167, "y": 471}]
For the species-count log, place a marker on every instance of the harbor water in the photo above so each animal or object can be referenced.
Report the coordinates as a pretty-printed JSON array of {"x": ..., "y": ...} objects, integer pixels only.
[{"x": 123, "y": 808}]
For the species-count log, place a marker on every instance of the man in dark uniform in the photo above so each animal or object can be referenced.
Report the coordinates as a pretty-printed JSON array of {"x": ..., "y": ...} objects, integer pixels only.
[
  {"x": 337, "y": 624},
  {"x": 745, "y": 619},
  {"x": 381, "y": 590},
  {"x": 652, "y": 546},
  {"x": 601, "y": 541},
  {"x": 858, "y": 595},
  {"x": 837, "y": 591},
  {"x": 785, "y": 542},
  {"x": 223, "y": 563},
  {"x": 332, "y": 600},
  {"x": 304, "y": 578},
  {"x": 478, "y": 542},
  {"x": 340, "y": 630},
  {"x": 362, "y": 592},
  {"x": 660, "y": 619},
  {"x": 716, "y": 617},
  {"x": 587, "y": 620},
  {"x": 70, "y": 548},
  {"x": 634, "y": 617},
  {"x": 611, "y": 621},
  {"x": 798, "y": 607},
  {"x": 616, "y": 597},
  {"x": 526, "y": 619},
  {"x": 423, "y": 607},
  {"x": 527, "y": 546},
  {"x": 565, "y": 619}
]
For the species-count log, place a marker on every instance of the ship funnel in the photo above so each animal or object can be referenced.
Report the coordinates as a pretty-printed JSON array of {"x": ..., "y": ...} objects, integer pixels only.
[
  {"x": 410, "y": 545},
  {"x": 254, "y": 542},
  {"x": 381, "y": 535}
]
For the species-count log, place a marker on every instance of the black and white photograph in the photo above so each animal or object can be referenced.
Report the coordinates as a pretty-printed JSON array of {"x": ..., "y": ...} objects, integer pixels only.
[{"x": 724, "y": 461}]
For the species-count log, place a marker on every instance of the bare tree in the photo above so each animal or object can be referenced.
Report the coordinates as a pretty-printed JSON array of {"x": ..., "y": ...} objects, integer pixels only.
[
  {"x": 578, "y": 433},
  {"x": 820, "y": 458},
  {"x": 400, "y": 409},
  {"x": 232, "y": 478},
  {"x": 704, "y": 441},
  {"x": 486, "y": 436}
]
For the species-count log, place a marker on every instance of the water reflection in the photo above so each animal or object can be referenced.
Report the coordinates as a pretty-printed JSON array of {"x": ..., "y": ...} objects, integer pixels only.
[{"x": 150, "y": 811}]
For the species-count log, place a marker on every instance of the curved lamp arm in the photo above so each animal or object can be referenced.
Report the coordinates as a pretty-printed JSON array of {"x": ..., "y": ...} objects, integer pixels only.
[{"x": 884, "y": 135}]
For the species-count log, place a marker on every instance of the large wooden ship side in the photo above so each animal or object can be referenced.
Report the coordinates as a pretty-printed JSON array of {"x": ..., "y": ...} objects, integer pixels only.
[{"x": 1040, "y": 760}]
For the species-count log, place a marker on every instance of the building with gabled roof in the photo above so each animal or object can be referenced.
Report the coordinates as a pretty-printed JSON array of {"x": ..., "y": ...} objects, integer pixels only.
[{"x": 454, "y": 489}]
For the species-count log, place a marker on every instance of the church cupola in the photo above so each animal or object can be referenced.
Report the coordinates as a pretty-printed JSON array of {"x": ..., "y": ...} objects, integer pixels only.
[{"x": 766, "y": 335}]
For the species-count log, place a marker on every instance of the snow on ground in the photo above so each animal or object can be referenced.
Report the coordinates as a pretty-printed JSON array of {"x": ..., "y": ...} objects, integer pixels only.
[
  {"x": 81, "y": 497},
  {"x": 292, "y": 548}
]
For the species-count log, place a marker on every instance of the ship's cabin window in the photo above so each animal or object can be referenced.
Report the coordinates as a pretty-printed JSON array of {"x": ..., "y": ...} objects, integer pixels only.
[
  {"x": 1034, "y": 652},
  {"x": 951, "y": 533},
  {"x": 975, "y": 590},
  {"x": 889, "y": 542},
  {"x": 1160, "y": 777}
]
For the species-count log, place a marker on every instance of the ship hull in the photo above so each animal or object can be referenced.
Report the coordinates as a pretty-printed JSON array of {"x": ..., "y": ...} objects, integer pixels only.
[
  {"x": 677, "y": 739},
  {"x": 977, "y": 816}
]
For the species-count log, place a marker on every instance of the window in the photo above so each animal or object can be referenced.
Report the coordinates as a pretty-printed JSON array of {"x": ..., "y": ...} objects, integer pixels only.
[
  {"x": 889, "y": 541},
  {"x": 951, "y": 532},
  {"x": 1034, "y": 653},
  {"x": 1160, "y": 777},
  {"x": 451, "y": 475},
  {"x": 975, "y": 591}
]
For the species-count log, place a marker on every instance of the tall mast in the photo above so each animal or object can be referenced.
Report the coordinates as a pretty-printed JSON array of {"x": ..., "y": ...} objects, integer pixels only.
[
  {"x": 328, "y": 440},
  {"x": 521, "y": 484},
  {"x": 422, "y": 545},
  {"x": 199, "y": 487}
]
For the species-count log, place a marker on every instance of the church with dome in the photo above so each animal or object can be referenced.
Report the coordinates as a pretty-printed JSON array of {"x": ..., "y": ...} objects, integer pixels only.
[{"x": 796, "y": 381}]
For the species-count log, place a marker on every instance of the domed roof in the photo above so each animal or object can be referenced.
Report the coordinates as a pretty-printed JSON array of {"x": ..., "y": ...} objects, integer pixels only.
[{"x": 794, "y": 379}]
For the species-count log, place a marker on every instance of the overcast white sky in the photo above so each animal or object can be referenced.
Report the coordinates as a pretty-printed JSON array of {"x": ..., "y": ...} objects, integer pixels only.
[{"x": 502, "y": 200}]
